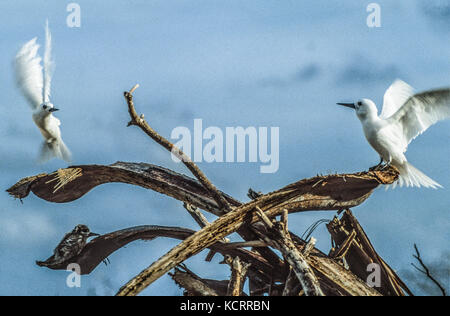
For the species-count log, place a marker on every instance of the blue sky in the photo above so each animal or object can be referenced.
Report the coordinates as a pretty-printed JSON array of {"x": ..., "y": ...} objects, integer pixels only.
[{"x": 230, "y": 63}]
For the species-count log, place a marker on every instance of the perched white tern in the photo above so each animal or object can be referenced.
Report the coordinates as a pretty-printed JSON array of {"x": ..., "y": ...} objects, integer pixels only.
[
  {"x": 34, "y": 81},
  {"x": 404, "y": 116}
]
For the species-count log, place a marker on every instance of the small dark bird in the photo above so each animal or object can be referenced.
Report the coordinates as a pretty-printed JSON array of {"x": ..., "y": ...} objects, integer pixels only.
[{"x": 70, "y": 246}]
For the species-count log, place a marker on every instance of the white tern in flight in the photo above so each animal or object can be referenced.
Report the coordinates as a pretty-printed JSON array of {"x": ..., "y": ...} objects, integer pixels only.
[
  {"x": 34, "y": 82},
  {"x": 404, "y": 116}
]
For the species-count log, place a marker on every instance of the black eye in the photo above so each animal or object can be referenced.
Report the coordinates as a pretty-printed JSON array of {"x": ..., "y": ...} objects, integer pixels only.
[
  {"x": 359, "y": 103},
  {"x": 44, "y": 107}
]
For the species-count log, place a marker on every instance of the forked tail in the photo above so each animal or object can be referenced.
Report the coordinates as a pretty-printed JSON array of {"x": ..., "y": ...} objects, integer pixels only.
[
  {"x": 413, "y": 177},
  {"x": 54, "y": 149}
]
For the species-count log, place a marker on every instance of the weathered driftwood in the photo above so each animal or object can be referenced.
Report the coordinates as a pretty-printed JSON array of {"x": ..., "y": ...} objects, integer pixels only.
[
  {"x": 238, "y": 275},
  {"x": 292, "y": 285},
  {"x": 66, "y": 185},
  {"x": 332, "y": 192},
  {"x": 321, "y": 192},
  {"x": 261, "y": 271},
  {"x": 329, "y": 192},
  {"x": 98, "y": 249},
  {"x": 199, "y": 218},
  {"x": 353, "y": 244},
  {"x": 223, "y": 204},
  {"x": 196, "y": 286},
  {"x": 309, "y": 247},
  {"x": 278, "y": 237}
]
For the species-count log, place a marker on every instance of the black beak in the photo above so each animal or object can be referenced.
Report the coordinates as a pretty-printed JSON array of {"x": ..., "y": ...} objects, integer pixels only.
[
  {"x": 53, "y": 110},
  {"x": 349, "y": 105},
  {"x": 93, "y": 234}
]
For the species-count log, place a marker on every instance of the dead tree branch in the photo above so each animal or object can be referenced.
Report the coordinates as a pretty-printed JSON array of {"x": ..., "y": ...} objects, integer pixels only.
[
  {"x": 202, "y": 222},
  {"x": 196, "y": 286},
  {"x": 207, "y": 236},
  {"x": 309, "y": 247},
  {"x": 196, "y": 214},
  {"x": 98, "y": 249},
  {"x": 353, "y": 244},
  {"x": 278, "y": 238},
  {"x": 238, "y": 274},
  {"x": 426, "y": 271},
  {"x": 334, "y": 193},
  {"x": 311, "y": 272},
  {"x": 292, "y": 285},
  {"x": 140, "y": 122}
]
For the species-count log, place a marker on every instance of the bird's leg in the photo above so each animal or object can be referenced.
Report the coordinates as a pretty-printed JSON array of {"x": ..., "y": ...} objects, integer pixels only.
[
  {"x": 377, "y": 167},
  {"x": 386, "y": 165}
]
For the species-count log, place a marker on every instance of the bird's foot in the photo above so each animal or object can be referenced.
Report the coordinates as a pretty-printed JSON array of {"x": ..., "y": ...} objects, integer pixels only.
[
  {"x": 375, "y": 168},
  {"x": 379, "y": 167}
]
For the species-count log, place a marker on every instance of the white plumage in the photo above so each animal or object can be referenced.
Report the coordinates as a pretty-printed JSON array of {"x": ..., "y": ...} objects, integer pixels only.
[
  {"x": 404, "y": 116},
  {"x": 48, "y": 63},
  {"x": 34, "y": 80}
]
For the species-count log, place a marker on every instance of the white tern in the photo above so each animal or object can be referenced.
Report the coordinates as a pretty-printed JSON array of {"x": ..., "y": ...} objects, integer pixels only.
[
  {"x": 404, "y": 116},
  {"x": 34, "y": 81}
]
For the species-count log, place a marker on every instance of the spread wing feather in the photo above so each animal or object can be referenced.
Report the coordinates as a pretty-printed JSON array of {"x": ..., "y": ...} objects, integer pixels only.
[
  {"x": 420, "y": 112},
  {"x": 28, "y": 70},
  {"x": 48, "y": 64},
  {"x": 394, "y": 97}
]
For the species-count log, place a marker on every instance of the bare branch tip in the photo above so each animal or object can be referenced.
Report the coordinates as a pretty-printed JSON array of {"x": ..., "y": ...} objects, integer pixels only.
[{"x": 134, "y": 88}]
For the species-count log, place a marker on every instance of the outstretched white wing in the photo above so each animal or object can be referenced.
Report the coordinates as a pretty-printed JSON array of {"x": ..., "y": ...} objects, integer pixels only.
[
  {"x": 394, "y": 97},
  {"x": 420, "y": 112},
  {"x": 48, "y": 64},
  {"x": 29, "y": 73}
]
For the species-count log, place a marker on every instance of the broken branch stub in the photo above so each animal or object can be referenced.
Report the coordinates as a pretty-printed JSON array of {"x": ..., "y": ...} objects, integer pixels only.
[
  {"x": 196, "y": 286},
  {"x": 353, "y": 244},
  {"x": 279, "y": 238}
]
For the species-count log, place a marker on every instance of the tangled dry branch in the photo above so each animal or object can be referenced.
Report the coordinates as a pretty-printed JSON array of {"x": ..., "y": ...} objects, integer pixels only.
[{"x": 303, "y": 268}]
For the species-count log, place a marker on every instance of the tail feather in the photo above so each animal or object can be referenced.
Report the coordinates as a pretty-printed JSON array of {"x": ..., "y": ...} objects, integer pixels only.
[
  {"x": 65, "y": 152},
  {"x": 48, "y": 64},
  {"x": 413, "y": 177},
  {"x": 54, "y": 149}
]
